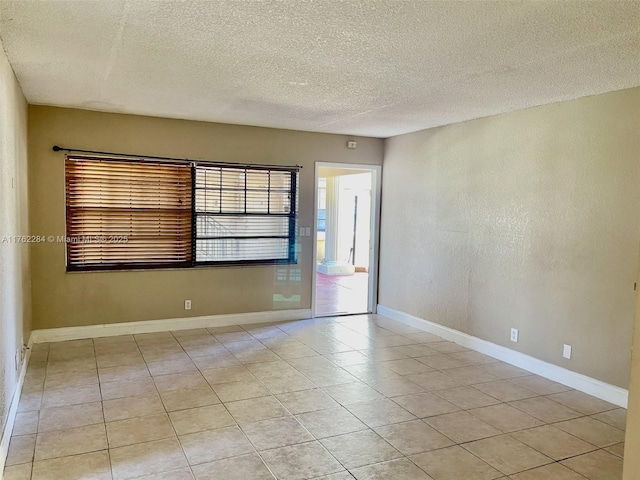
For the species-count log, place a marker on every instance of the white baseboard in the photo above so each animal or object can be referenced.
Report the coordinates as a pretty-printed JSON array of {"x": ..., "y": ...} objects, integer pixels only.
[
  {"x": 605, "y": 391},
  {"x": 151, "y": 326},
  {"x": 13, "y": 410}
]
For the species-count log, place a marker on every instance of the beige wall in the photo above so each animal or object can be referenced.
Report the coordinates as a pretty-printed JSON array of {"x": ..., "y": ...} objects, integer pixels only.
[
  {"x": 15, "y": 297},
  {"x": 529, "y": 220},
  {"x": 68, "y": 299}
]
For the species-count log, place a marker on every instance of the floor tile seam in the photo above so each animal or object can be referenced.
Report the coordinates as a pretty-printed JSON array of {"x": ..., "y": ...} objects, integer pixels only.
[
  {"x": 182, "y": 449},
  {"x": 315, "y": 439},
  {"x": 581, "y": 439},
  {"x": 404, "y": 457},
  {"x": 34, "y": 461},
  {"x": 580, "y": 415},
  {"x": 594, "y": 447},
  {"x": 583, "y": 454},
  {"x": 533, "y": 448},
  {"x": 341, "y": 463}
]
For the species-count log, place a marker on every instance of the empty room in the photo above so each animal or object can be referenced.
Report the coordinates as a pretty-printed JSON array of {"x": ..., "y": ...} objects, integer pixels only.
[{"x": 295, "y": 240}]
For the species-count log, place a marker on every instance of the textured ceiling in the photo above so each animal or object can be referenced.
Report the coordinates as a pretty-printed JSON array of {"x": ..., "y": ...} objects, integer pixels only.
[{"x": 374, "y": 68}]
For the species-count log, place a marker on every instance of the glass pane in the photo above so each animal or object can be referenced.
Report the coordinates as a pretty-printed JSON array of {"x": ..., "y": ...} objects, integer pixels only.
[
  {"x": 234, "y": 249},
  {"x": 208, "y": 177},
  {"x": 207, "y": 201},
  {"x": 257, "y": 202},
  {"x": 232, "y": 201},
  {"x": 233, "y": 178},
  {"x": 279, "y": 203},
  {"x": 241, "y": 226},
  {"x": 281, "y": 181},
  {"x": 258, "y": 179}
]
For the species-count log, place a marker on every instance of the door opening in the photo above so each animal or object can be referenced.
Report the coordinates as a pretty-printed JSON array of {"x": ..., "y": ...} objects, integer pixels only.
[{"x": 345, "y": 239}]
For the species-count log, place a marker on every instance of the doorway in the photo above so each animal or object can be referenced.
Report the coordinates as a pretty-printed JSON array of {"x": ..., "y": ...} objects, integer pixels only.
[{"x": 345, "y": 239}]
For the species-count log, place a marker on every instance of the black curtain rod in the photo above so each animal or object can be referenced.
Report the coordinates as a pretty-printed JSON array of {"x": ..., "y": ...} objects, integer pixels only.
[{"x": 57, "y": 148}]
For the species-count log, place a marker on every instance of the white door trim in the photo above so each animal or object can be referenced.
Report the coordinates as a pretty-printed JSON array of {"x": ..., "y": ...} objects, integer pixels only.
[{"x": 376, "y": 190}]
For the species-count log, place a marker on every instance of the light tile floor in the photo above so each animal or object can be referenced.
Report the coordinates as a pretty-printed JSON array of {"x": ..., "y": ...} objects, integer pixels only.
[{"x": 335, "y": 398}]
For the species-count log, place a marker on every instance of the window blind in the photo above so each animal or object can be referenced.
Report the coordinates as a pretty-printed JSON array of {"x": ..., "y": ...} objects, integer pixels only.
[{"x": 127, "y": 213}]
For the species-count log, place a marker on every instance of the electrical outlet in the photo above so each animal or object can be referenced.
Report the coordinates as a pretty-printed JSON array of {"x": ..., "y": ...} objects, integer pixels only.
[
  {"x": 514, "y": 335},
  {"x": 566, "y": 351},
  {"x": 187, "y": 304},
  {"x": 307, "y": 231}
]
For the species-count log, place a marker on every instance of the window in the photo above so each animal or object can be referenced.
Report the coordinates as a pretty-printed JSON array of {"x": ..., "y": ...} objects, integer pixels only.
[
  {"x": 143, "y": 214},
  {"x": 244, "y": 215}
]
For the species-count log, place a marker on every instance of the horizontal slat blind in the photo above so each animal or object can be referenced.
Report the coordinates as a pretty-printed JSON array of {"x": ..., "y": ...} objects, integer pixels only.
[
  {"x": 127, "y": 213},
  {"x": 244, "y": 214}
]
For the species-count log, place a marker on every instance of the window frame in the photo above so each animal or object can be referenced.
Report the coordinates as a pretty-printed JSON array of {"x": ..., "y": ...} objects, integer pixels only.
[{"x": 292, "y": 217}]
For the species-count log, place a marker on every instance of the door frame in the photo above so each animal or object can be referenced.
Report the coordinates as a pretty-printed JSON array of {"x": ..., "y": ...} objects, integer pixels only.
[{"x": 376, "y": 190}]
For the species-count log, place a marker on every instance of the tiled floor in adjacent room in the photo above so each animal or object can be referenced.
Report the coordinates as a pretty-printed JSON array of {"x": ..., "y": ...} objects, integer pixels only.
[
  {"x": 352, "y": 397},
  {"x": 342, "y": 294}
]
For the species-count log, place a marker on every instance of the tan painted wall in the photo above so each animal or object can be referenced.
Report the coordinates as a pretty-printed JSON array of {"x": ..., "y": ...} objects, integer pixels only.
[
  {"x": 15, "y": 297},
  {"x": 69, "y": 299},
  {"x": 529, "y": 220}
]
